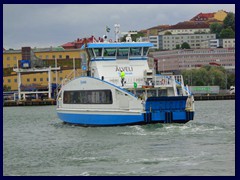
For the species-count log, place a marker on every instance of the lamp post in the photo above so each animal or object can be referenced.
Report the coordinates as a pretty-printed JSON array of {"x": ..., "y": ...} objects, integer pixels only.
[{"x": 163, "y": 64}]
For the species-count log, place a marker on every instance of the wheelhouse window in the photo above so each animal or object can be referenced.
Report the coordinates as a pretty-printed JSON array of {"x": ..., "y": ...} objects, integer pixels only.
[
  {"x": 136, "y": 51},
  {"x": 109, "y": 52},
  {"x": 122, "y": 53},
  {"x": 98, "y": 52},
  {"x": 88, "y": 97},
  {"x": 145, "y": 51},
  {"x": 91, "y": 52}
]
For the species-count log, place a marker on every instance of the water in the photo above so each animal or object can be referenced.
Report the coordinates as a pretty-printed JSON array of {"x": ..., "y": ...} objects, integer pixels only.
[{"x": 37, "y": 143}]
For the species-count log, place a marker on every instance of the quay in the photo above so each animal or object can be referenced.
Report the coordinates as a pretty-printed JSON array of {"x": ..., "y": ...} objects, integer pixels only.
[
  {"x": 31, "y": 102},
  {"x": 214, "y": 97}
]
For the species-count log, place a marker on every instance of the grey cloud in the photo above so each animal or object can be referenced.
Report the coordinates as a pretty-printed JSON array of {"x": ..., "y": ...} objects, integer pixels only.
[{"x": 55, "y": 24}]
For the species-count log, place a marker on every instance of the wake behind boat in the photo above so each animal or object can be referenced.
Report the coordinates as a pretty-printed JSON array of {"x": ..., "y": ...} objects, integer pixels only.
[{"x": 121, "y": 89}]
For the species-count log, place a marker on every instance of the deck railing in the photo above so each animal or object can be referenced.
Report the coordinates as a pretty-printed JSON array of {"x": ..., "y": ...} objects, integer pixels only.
[{"x": 158, "y": 80}]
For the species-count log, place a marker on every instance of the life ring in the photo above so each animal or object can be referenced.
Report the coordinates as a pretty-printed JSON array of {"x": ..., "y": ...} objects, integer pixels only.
[{"x": 163, "y": 81}]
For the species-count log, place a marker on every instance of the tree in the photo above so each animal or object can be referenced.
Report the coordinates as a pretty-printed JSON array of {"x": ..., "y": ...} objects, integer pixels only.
[
  {"x": 167, "y": 33},
  {"x": 178, "y": 46},
  {"x": 209, "y": 76},
  {"x": 185, "y": 45},
  {"x": 229, "y": 21},
  {"x": 216, "y": 28},
  {"x": 227, "y": 33}
]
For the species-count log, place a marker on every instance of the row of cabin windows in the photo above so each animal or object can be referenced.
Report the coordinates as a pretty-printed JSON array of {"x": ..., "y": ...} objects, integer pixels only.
[
  {"x": 34, "y": 80},
  {"x": 88, "y": 97},
  {"x": 46, "y": 57},
  {"x": 119, "y": 52}
]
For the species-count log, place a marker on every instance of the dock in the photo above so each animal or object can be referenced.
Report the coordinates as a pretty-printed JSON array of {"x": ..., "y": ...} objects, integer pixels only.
[
  {"x": 31, "y": 102},
  {"x": 214, "y": 97}
]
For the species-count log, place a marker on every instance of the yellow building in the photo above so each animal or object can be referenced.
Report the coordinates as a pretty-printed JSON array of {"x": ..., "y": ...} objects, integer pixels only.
[
  {"x": 220, "y": 15},
  {"x": 65, "y": 59}
]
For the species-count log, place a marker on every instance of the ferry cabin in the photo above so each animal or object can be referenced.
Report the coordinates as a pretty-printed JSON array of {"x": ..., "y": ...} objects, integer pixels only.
[{"x": 108, "y": 59}]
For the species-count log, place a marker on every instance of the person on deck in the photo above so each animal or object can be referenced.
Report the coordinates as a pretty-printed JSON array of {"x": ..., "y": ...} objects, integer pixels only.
[{"x": 122, "y": 75}]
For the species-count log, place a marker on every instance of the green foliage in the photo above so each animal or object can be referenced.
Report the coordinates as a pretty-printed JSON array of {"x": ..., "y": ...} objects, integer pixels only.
[
  {"x": 225, "y": 30},
  {"x": 229, "y": 21},
  {"x": 209, "y": 76},
  {"x": 178, "y": 46},
  {"x": 216, "y": 28},
  {"x": 167, "y": 33},
  {"x": 227, "y": 33},
  {"x": 185, "y": 45}
]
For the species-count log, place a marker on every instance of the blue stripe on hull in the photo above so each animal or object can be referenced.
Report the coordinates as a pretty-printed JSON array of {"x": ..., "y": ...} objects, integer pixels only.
[
  {"x": 114, "y": 120},
  {"x": 101, "y": 120}
]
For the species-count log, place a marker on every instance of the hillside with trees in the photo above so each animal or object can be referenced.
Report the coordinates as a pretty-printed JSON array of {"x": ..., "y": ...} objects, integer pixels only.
[{"x": 225, "y": 30}]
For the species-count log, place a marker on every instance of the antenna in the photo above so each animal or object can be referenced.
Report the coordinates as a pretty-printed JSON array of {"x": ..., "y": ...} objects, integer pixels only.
[{"x": 117, "y": 31}]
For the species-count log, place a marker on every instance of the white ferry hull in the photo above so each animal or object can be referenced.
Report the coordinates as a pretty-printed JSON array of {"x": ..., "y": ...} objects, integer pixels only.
[{"x": 100, "y": 119}]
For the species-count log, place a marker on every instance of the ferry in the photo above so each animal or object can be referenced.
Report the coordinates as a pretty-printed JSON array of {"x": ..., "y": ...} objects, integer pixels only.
[{"x": 102, "y": 98}]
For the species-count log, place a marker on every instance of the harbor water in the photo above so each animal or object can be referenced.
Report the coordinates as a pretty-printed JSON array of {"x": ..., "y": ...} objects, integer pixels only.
[{"x": 37, "y": 143}]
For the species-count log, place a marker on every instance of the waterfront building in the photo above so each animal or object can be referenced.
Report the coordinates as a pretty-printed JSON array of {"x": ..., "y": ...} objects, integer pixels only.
[
  {"x": 216, "y": 43},
  {"x": 170, "y": 42},
  {"x": 65, "y": 58},
  {"x": 227, "y": 43},
  {"x": 155, "y": 41},
  {"x": 176, "y": 60}
]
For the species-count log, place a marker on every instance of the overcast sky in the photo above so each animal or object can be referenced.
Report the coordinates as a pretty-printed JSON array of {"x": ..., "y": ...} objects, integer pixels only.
[{"x": 40, "y": 25}]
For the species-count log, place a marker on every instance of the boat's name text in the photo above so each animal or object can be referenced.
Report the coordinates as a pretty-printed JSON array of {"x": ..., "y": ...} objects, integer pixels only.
[{"x": 127, "y": 69}]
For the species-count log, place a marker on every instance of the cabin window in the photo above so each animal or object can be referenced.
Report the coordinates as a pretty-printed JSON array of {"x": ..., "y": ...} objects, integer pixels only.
[
  {"x": 136, "y": 51},
  {"x": 88, "y": 97},
  {"x": 91, "y": 53},
  {"x": 98, "y": 52},
  {"x": 145, "y": 51},
  {"x": 122, "y": 53},
  {"x": 109, "y": 52}
]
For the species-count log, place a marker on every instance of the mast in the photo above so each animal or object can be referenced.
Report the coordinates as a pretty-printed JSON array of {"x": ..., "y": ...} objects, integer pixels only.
[
  {"x": 117, "y": 32},
  {"x": 88, "y": 58}
]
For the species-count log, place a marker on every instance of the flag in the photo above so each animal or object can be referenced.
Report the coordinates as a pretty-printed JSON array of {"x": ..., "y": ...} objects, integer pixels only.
[{"x": 107, "y": 29}]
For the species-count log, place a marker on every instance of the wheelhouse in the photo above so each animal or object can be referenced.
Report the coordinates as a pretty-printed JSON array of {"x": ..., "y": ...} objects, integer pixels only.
[{"x": 118, "y": 51}]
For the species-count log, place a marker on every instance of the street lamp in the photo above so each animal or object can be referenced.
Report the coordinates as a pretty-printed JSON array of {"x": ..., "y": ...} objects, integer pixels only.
[{"x": 163, "y": 64}]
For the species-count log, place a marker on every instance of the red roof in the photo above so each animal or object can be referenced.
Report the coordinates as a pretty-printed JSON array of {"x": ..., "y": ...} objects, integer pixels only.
[
  {"x": 69, "y": 44},
  {"x": 203, "y": 17},
  {"x": 79, "y": 42},
  {"x": 190, "y": 25},
  {"x": 161, "y": 27}
]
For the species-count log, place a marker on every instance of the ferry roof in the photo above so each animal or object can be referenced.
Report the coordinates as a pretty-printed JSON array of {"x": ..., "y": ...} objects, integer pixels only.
[{"x": 116, "y": 45}]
